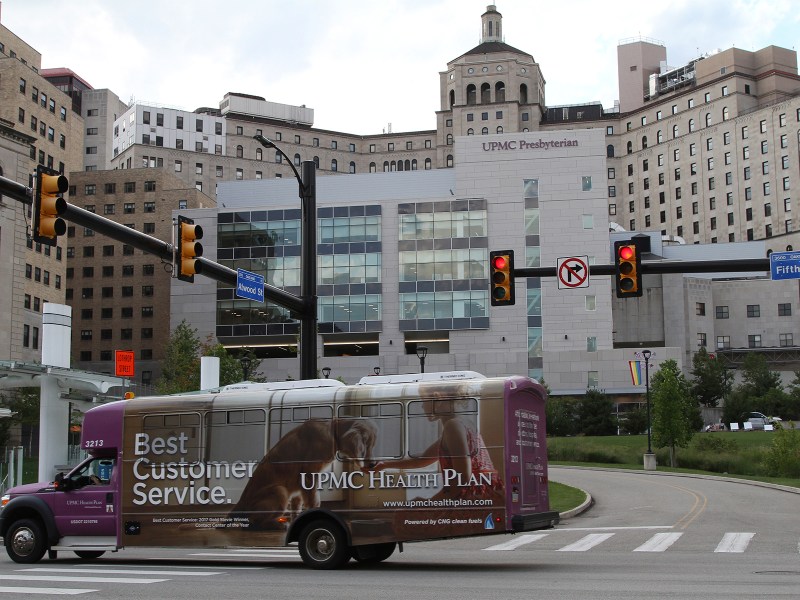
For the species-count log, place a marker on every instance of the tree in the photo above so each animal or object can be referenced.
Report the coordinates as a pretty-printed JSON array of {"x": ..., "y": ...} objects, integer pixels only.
[
  {"x": 673, "y": 409},
  {"x": 180, "y": 370},
  {"x": 710, "y": 382},
  {"x": 634, "y": 421},
  {"x": 761, "y": 390},
  {"x": 24, "y": 405},
  {"x": 561, "y": 413},
  {"x": 596, "y": 414},
  {"x": 230, "y": 365}
]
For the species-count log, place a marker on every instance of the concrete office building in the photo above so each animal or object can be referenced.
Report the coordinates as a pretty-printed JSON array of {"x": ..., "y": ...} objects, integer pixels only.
[{"x": 403, "y": 263}]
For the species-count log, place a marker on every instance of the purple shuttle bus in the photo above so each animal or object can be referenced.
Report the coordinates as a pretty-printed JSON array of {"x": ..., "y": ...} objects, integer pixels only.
[{"x": 343, "y": 471}]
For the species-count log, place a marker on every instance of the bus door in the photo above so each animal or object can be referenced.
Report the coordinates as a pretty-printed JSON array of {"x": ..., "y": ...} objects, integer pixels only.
[
  {"x": 526, "y": 459},
  {"x": 89, "y": 505}
]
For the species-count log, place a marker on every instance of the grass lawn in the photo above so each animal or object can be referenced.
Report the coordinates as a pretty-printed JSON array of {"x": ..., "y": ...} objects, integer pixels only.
[
  {"x": 724, "y": 453},
  {"x": 564, "y": 497}
]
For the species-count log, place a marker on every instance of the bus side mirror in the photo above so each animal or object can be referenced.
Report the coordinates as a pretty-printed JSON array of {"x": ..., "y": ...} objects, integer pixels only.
[{"x": 62, "y": 484}]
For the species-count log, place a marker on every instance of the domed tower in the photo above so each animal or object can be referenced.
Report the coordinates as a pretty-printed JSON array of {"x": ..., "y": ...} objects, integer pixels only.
[{"x": 493, "y": 88}]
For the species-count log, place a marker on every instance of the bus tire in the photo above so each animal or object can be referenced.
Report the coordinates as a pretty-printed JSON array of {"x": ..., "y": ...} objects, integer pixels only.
[
  {"x": 373, "y": 553},
  {"x": 89, "y": 554},
  {"x": 25, "y": 541},
  {"x": 323, "y": 545}
]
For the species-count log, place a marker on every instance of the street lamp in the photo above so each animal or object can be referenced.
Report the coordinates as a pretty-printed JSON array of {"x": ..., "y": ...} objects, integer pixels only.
[
  {"x": 647, "y": 354},
  {"x": 308, "y": 260},
  {"x": 377, "y": 370},
  {"x": 326, "y": 372},
  {"x": 422, "y": 352}
]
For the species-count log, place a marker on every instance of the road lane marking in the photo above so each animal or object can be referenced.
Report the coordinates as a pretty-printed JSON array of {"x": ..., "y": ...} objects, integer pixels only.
[
  {"x": 518, "y": 541},
  {"x": 65, "y": 579},
  {"x": 734, "y": 542},
  {"x": 48, "y": 591},
  {"x": 659, "y": 542},
  {"x": 611, "y": 528},
  {"x": 121, "y": 571},
  {"x": 586, "y": 543},
  {"x": 248, "y": 555}
]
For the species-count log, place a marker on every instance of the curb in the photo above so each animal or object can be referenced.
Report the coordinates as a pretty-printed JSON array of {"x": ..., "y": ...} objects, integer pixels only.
[{"x": 581, "y": 508}]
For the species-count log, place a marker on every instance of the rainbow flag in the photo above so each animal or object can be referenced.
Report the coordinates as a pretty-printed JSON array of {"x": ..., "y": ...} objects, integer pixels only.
[{"x": 636, "y": 372}]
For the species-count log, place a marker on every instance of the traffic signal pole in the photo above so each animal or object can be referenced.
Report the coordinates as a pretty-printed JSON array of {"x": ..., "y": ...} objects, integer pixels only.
[
  {"x": 659, "y": 267},
  {"x": 166, "y": 251}
]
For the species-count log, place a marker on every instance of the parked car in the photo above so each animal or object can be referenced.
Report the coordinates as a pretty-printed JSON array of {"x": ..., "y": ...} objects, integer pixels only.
[{"x": 758, "y": 420}]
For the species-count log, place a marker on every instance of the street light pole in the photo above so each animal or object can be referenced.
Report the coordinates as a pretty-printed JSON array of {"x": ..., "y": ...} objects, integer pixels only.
[
  {"x": 647, "y": 354},
  {"x": 422, "y": 352},
  {"x": 649, "y": 458},
  {"x": 308, "y": 259}
]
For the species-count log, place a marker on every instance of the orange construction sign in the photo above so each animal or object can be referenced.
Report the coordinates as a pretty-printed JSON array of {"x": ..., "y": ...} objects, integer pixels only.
[{"x": 124, "y": 364}]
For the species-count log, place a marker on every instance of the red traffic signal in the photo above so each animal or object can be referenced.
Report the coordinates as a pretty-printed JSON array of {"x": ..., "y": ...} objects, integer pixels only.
[
  {"x": 627, "y": 269},
  {"x": 501, "y": 267}
]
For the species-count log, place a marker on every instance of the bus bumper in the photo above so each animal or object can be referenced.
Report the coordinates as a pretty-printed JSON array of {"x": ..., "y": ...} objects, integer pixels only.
[{"x": 531, "y": 522}]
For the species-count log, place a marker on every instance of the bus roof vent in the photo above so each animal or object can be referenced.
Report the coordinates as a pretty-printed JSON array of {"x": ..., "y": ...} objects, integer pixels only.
[
  {"x": 414, "y": 377},
  {"x": 250, "y": 386}
]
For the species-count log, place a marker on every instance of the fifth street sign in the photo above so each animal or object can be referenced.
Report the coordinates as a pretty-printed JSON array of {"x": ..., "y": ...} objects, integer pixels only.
[{"x": 784, "y": 265}]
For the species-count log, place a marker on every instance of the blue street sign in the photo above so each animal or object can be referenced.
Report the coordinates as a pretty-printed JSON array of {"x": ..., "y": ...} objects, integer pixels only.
[
  {"x": 784, "y": 265},
  {"x": 249, "y": 285}
]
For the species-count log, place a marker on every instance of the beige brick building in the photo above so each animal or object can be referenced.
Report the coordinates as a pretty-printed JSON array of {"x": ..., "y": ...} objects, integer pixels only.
[
  {"x": 41, "y": 129},
  {"x": 119, "y": 295}
]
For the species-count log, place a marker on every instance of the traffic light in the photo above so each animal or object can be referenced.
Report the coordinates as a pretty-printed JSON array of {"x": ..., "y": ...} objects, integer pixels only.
[
  {"x": 628, "y": 267},
  {"x": 189, "y": 249},
  {"x": 47, "y": 205},
  {"x": 501, "y": 265}
]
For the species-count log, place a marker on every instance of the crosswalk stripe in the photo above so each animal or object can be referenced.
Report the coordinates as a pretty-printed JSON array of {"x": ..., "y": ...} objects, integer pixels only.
[
  {"x": 119, "y": 571},
  {"x": 518, "y": 541},
  {"x": 586, "y": 543},
  {"x": 67, "y": 579},
  {"x": 248, "y": 555},
  {"x": 48, "y": 591},
  {"x": 659, "y": 542},
  {"x": 734, "y": 542}
]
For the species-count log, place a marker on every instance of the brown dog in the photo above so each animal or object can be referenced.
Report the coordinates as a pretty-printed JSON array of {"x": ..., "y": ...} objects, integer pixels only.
[{"x": 274, "y": 492}]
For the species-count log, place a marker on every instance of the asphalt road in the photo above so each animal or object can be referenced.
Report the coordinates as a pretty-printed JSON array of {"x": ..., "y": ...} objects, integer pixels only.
[{"x": 648, "y": 535}]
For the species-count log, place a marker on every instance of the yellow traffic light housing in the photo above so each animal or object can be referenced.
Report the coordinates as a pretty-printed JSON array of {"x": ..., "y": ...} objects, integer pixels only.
[
  {"x": 628, "y": 269},
  {"x": 501, "y": 267},
  {"x": 189, "y": 249},
  {"x": 48, "y": 205}
]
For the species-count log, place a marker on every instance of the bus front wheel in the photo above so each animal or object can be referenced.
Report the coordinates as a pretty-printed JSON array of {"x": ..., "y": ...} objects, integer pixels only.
[
  {"x": 323, "y": 545},
  {"x": 25, "y": 541}
]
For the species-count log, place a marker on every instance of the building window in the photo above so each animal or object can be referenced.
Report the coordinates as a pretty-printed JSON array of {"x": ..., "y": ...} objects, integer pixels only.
[
  {"x": 701, "y": 340},
  {"x": 722, "y": 312},
  {"x": 723, "y": 342},
  {"x": 753, "y": 310},
  {"x": 754, "y": 341},
  {"x": 785, "y": 340},
  {"x": 700, "y": 309},
  {"x": 784, "y": 309}
]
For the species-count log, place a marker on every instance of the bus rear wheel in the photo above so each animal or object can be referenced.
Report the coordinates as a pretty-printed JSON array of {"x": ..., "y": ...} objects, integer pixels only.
[
  {"x": 25, "y": 541},
  {"x": 323, "y": 545},
  {"x": 373, "y": 553}
]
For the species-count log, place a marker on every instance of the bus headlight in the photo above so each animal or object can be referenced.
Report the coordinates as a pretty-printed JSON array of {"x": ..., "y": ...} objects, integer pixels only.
[{"x": 4, "y": 500}]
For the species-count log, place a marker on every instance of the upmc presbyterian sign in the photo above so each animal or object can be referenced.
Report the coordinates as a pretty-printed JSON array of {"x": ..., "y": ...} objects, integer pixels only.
[{"x": 539, "y": 144}]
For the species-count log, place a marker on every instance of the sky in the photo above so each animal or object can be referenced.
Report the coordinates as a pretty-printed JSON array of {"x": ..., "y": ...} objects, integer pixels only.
[{"x": 368, "y": 66}]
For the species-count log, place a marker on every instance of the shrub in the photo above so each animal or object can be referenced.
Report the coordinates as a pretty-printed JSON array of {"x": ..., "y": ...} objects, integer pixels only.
[{"x": 783, "y": 457}]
